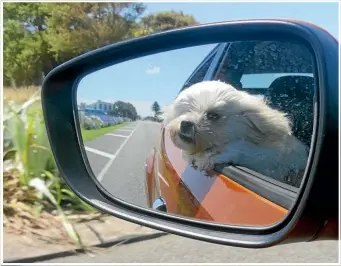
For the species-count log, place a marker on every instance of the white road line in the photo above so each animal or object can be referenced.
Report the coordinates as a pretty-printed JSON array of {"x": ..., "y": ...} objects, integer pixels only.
[
  {"x": 163, "y": 179},
  {"x": 124, "y": 130},
  {"x": 98, "y": 152},
  {"x": 116, "y": 135},
  {"x": 107, "y": 166}
]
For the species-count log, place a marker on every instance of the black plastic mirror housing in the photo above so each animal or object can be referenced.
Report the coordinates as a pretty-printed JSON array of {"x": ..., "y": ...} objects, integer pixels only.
[{"x": 317, "y": 201}]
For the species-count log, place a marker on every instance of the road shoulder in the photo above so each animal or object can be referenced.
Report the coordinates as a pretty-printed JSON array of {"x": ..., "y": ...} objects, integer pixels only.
[{"x": 53, "y": 243}]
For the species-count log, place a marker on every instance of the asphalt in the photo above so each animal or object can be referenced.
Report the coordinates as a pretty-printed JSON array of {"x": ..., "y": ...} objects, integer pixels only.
[
  {"x": 118, "y": 159},
  {"x": 174, "y": 249}
]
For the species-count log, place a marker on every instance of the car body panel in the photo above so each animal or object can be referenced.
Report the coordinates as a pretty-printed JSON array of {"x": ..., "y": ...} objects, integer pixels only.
[{"x": 215, "y": 198}]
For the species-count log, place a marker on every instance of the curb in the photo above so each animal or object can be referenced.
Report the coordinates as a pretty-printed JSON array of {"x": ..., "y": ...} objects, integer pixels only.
[{"x": 130, "y": 239}]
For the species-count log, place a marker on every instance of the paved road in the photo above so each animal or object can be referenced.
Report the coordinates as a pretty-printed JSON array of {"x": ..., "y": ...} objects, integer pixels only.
[
  {"x": 118, "y": 159},
  {"x": 174, "y": 249}
]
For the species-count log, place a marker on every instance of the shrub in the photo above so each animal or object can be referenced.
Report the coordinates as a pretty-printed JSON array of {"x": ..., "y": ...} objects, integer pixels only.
[{"x": 29, "y": 164}]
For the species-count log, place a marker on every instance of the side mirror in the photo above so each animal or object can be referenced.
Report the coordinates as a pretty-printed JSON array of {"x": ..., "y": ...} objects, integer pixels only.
[{"x": 242, "y": 133}]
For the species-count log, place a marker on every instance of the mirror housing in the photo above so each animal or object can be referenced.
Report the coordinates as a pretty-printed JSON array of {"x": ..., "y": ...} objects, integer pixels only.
[{"x": 317, "y": 201}]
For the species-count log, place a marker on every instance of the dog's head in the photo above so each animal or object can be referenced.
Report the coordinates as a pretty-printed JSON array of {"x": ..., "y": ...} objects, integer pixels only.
[{"x": 211, "y": 114}]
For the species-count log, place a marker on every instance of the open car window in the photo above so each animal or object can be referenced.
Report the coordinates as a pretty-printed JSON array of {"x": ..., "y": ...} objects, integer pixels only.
[
  {"x": 259, "y": 84},
  {"x": 264, "y": 80}
]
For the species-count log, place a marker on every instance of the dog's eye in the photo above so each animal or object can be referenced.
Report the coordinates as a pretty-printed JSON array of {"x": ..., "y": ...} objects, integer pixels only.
[{"x": 212, "y": 116}]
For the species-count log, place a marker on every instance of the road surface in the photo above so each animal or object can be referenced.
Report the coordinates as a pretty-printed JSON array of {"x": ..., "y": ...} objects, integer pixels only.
[
  {"x": 118, "y": 159},
  {"x": 174, "y": 249}
]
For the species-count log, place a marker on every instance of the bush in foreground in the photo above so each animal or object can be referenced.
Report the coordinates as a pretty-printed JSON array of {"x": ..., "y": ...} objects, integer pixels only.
[{"x": 32, "y": 185}]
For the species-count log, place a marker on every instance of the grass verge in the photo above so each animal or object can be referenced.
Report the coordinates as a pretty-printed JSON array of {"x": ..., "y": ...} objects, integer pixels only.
[{"x": 95, "y": 133}]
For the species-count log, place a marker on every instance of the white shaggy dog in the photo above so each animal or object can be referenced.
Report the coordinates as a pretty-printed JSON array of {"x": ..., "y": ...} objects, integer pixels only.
[{"x": 212, "y": 122}]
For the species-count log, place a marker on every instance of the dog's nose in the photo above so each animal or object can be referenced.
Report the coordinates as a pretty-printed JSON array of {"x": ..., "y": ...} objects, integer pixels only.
[{"x": 186, "y": 127}]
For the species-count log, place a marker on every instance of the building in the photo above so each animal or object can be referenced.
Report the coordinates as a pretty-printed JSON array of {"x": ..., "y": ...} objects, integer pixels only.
[{"x": 100, "y": 105}]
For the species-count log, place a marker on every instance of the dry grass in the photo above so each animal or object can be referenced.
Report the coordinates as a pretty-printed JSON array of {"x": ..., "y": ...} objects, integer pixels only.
[{"x": 19, "y": 95}]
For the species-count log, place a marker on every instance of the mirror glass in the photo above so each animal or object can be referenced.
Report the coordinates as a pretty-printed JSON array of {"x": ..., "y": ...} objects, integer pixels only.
[{"x": 217, "y": 132}]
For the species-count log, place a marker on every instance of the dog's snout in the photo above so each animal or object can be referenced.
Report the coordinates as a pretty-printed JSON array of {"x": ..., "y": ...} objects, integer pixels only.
[
  {"x": 186, "y": 133},
  {"x": 186, "y": 127}
]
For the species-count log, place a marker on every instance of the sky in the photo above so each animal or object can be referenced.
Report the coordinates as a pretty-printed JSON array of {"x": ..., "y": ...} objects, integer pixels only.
[{"x": 159, "y": 77}]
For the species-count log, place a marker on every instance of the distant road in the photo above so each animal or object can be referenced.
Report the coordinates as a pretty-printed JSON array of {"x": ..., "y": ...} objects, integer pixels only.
[{"x": 118, "y": 159}]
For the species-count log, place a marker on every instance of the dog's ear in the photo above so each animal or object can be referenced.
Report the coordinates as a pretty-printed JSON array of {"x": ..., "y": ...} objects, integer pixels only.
[{"x": 267, "y": 124}]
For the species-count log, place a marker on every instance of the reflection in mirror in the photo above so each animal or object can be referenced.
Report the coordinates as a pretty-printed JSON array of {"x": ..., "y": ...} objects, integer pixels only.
[{"x": 215, "y": 132}]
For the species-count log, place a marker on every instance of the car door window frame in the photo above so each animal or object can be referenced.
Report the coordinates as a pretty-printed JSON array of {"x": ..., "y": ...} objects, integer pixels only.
[
  {"x": 217, "y": 61},
  {"x": 216, "y": 52}
]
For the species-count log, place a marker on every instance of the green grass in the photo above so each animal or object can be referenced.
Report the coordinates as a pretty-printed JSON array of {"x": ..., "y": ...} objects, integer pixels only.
[{"x": 95, "y": 133}]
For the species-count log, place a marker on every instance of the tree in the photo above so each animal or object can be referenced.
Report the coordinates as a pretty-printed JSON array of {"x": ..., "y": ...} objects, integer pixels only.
[
  {"x": 76, "y": 28},
  {"x": 156, "y": 108},
  {"x": 132, "y": 111},
  {"x": 41, "y": 36},
  {"x": 25, "y": 47},
  {"x": 124, "y": 109},
  {"x": 163, "y": 21}
]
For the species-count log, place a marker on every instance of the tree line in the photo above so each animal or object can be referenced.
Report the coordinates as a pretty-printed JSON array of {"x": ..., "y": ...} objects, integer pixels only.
[
  {"x": 40, "y": 36},
  {"x": 124, "y": 109}
]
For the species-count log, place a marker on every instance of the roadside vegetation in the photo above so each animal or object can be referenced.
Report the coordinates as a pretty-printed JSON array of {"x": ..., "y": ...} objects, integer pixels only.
[
  {"x": 37, "y": 38},
  {"x": 33, "y": 190}
]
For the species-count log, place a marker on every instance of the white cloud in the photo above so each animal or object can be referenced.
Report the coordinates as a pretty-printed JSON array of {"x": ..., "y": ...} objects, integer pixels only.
[{"x": 153, "y": 70}]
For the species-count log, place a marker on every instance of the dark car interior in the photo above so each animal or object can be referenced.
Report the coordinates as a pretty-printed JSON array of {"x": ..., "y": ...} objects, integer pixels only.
[{"x": 292, "y": 93}]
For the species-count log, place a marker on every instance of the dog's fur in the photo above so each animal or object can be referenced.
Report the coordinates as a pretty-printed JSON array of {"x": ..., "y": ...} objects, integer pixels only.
[{"x": 247, "y": 131}]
